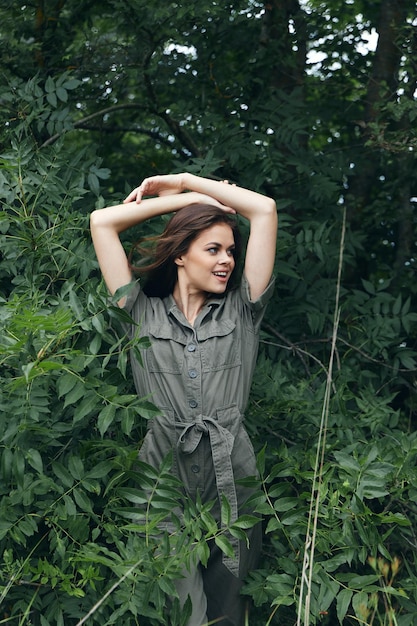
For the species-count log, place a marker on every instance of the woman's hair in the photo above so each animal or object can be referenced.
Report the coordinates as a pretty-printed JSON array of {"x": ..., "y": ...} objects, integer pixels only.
[{"x": 184, "y": 226}]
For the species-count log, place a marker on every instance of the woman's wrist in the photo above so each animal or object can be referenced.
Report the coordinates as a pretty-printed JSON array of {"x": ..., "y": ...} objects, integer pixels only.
[{"x": 186, "y": 181}]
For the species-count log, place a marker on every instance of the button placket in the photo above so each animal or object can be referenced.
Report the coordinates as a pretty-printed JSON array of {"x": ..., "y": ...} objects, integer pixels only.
[
  {"x": 193, "y": 386},
  {"x": 193, "y": 375}
]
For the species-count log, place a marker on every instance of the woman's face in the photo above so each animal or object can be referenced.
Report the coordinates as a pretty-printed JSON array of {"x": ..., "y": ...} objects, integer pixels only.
[{"x": 209, "y": 261}]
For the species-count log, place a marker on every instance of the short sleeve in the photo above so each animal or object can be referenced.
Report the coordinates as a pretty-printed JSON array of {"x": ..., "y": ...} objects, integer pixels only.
[
  {"x": 263, "y": 299},
  {"x": 259, "y": 305},
  {"x": 131, "y": 296}
]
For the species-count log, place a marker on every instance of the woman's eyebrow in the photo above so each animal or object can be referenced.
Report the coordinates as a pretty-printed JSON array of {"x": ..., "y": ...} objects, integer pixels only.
[{"x": 219, "y": 245}]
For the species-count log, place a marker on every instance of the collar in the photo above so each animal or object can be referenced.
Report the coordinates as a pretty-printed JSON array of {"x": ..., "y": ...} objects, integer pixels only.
[{"x": 172, "y": 309}]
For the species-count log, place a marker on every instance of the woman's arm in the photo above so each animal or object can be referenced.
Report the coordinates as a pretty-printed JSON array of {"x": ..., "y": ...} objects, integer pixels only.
[
  {"x": 107, "y": 224},
  {"x": 260, "y": 210}
]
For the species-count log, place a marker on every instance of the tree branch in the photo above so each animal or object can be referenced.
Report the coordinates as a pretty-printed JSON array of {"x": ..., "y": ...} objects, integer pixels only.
[
  {"x": 172, "y": 124},
  {"x": 134, "y": 129},
  {"x": 81, "y": 122}
]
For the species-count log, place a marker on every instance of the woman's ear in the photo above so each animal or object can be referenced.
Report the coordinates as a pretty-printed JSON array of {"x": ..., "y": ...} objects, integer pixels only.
[{"x": 179, "y": 261}]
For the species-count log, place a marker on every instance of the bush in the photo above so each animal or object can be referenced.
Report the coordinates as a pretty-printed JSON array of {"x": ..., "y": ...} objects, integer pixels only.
[{"x": 82, "y": 532}]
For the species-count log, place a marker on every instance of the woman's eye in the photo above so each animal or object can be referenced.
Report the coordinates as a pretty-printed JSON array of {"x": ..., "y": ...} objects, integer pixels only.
[{"x": 212, "y": 250}]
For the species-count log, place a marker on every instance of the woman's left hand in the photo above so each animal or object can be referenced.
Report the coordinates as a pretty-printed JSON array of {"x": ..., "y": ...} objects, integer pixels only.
[{"x": 203, "y": 198}]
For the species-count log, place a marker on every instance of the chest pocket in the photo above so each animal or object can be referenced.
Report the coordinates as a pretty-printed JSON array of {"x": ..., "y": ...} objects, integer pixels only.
[
  {"x": 220, "y": 346},
  {"x": 166, "y": 352}
]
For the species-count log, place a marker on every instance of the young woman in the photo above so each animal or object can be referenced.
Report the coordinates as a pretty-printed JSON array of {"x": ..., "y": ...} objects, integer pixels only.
[{"x": 204, "y": 342}]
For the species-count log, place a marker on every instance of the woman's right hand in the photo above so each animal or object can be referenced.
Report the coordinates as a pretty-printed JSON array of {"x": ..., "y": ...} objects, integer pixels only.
[{"x": 157, "y": 186}]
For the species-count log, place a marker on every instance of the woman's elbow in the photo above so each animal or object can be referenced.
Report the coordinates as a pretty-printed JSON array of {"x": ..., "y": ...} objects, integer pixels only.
[
  {"x": 94, "y": 218},
  {"x": 270, "y": 212},
  {"x": 271, "y": 206},
  {"x": 99, "y": 221}
]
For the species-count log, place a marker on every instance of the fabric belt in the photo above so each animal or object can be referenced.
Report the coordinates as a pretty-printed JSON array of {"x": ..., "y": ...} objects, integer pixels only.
[{"x": 221, "y": 442}]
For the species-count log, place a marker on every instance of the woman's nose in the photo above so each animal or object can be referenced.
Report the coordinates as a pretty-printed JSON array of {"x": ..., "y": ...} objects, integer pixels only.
[{"x": 224, "y": 258}]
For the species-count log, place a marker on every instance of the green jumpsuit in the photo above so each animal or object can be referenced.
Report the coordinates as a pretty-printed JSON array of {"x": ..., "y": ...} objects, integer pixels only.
[{"x": 199, "y": 376}]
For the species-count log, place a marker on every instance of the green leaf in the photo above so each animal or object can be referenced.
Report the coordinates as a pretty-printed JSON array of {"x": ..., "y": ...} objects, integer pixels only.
[
  {"x": 74, "y": 393},
  {"x": 209, "y": 521},
  {"x": 285, "y": 504},
  {"x": 260, "y": 461},
  {"x": 203, "y": 553},
  {"x": 369, "y": 287},
  {"x": 70, "y": 508},
  {"x": 35, "y": 460},
  {"x": 85, "y": 407},
  {"x": 226, "y": 511},
  {"x": 82, "y": 500},
  {"x": 52, "y": 99},
  {"x": 246, "y": 521},
  {"x": 286, "y": 270},
  {"x": 105, "y": 418},
  {"x": 360, "y": 604},
  {"x": 99, "y": 470},
  {"x": 63, "y": 474},
  {"x": 76, "y": 467},
  {"x": 75, "y": 303},
  {"x": 224, "y": 544},
  {"x": 27, "y": 369},
  {"x": 398, "y": 303},
  {"x": 72, "y": 83},
  {"x": 93, "y": 183},
  {"x": 344, "y": 598},
  {"x": 62, "y": 94},
  {"x": 273, "y": 524},
  {"x": 133, "y": 495},
  {"x": 147, "y": 409},
  {"x": 167, "y": 586}
]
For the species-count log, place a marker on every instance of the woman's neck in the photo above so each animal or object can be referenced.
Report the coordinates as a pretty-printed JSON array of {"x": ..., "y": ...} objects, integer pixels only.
[{"x": 189, "y": 303}]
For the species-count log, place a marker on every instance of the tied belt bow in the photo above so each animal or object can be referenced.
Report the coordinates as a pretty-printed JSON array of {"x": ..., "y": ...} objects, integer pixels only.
[{"x": 221, "y": 442}]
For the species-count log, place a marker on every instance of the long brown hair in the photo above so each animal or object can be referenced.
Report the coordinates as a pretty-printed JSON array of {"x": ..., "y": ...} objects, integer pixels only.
[{"x": 184, "y": 226}]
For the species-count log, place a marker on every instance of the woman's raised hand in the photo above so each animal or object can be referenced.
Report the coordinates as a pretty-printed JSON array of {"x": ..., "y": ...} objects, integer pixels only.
[
  {"x": 171, "y": 184},
  {"x": 157, "y": 186}
]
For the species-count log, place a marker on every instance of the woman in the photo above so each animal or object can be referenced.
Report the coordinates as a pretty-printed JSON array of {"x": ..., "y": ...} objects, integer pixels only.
[{"x": 204, "y": 341}]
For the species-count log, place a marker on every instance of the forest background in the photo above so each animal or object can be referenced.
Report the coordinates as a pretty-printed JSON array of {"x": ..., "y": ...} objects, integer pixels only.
[{"x": 311, "y": 102}]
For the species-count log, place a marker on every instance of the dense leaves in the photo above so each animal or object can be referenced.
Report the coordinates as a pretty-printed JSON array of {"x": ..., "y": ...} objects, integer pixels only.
[{"x": 288, "y": 98}]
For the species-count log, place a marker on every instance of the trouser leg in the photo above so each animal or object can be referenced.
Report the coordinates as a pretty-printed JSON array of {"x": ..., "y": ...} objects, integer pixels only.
[
  {"x": 215, "y": 593},
  {"x": 192, "y": 585},
  {"x": 223, "y": 589}
]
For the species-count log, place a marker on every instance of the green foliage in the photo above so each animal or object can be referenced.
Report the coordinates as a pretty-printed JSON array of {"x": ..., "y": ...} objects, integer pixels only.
[
  {"x": 83, "y": 528},
  {"x": 366, "y": 519},
  {"x": 95, "y": 96}
]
